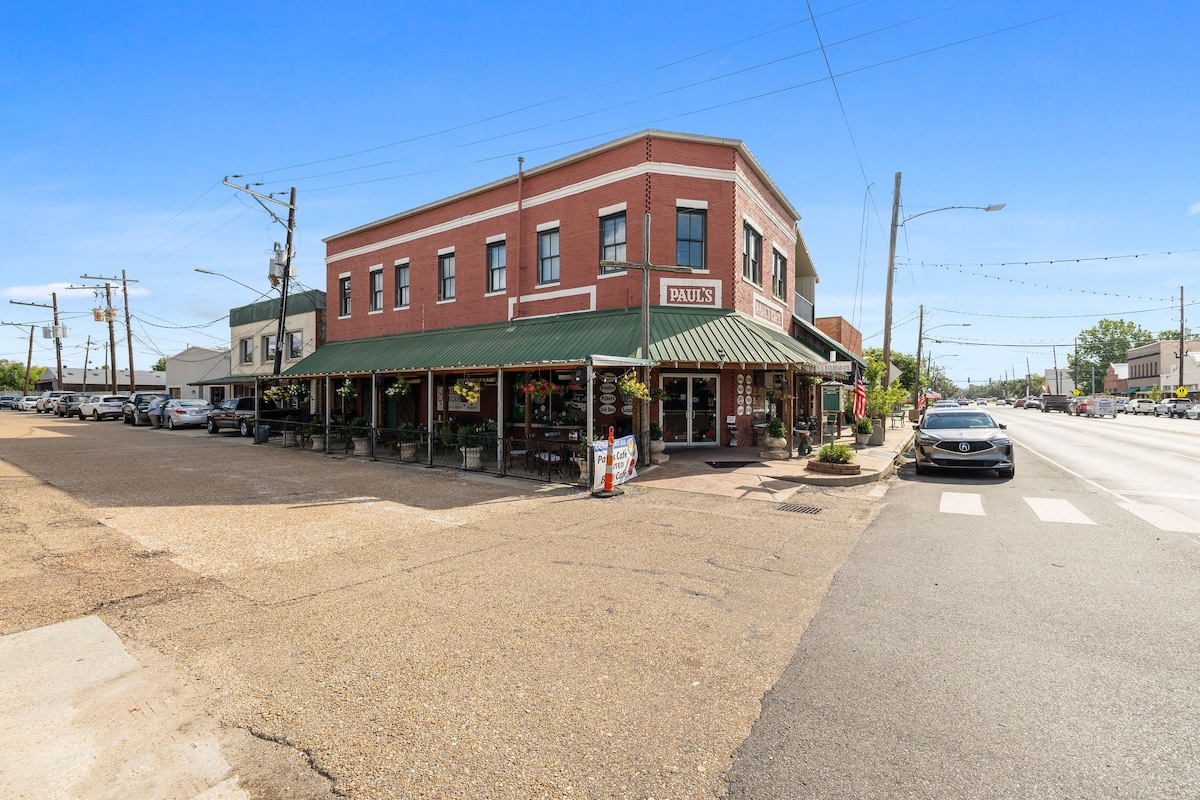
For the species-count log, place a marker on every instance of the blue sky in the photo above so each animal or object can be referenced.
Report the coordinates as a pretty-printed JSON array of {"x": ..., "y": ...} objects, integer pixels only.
[{"x": 120, "y": 120}]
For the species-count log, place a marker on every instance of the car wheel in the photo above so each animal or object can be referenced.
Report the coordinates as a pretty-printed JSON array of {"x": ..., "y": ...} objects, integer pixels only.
[
  {"x": 1007, "y": 473},
  {"x": 921, "y": 469},
  {"x": 81, "y": 416},
  {"x": 133, "y": 420},
  {"x": 213, "y": 427},
  {"x": 95, "y": 416},
  {"x": 244, "y": 427},
  {"x": 170, "y": 423}
]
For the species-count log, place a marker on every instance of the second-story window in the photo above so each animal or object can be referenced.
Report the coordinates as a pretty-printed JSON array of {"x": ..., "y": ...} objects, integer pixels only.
[
  {"x": 612, "y": 240},
  {"x": 548, "y": 256},
  {"x": 402, "y": 285},
  {"x": 497, "y": 257},
  {"x": 446, "y": 277},
  {"x": 246, "y": 351},
  {"x": 689, "y": 237},
  {"x": 377, "y": 290},
  {"x": 268, "y": 349},
  {"x": 295, "y": 345},
  {"x": 344, "y": 297},
  {"x": 751, "y": 255},
  {"x": 778, "y": 274}
]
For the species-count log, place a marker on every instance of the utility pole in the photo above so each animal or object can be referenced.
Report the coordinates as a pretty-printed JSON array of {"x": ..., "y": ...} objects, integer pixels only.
[
  {"x": 290, "y": 225},
  {"x": 128, "y": 327},
  {"x": 57, "y": 329},
  {"x": 29, "y": 362},
  {"x": 1181, "y": 336},
  {"x": 887, "y": 302},
  {"x": 87, "y": 351},
  {"x": 917, "y": 379}
]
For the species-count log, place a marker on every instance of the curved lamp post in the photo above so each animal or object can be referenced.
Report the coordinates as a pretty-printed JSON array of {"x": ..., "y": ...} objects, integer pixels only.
[{"x": 897, "y": 223}]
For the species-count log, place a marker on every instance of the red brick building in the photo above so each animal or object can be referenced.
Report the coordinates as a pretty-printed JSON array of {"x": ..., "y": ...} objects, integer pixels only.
[{"x": 505, "y": 283}]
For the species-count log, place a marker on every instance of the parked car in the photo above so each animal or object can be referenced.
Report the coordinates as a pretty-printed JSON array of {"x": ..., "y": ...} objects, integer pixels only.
[
  {"x": 1033, "y": 402},
  {"x": 102, "y": 406},
  {"x": 1120, "y": 405},
  {"x": 1019, "y": 402},
  {"x": 1142, "y": 405},
  {"x": 186, "y": 412},
  {"x": 237, "y": 413},
  {"x": 45, "y": 403},
  {"x": 68, "y": 405},
  {"x": 1174, "y": 407},
  {"x": 1193, "y": 411},
  {"x": 962, "y": 439},
  {"x": 133, "y": 412},
  {"x": 1077, "y": 406},
  {"x": 27, "y": 403},
  {"x": 7, "y": 400}
]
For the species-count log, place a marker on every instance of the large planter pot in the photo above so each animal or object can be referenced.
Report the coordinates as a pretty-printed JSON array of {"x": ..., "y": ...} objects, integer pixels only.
[
  {"x": 408, "y": 451},
  {"x": 829, "y": 468},
  {"x": 877, "y": 432},
  {"x": 290, "y": 439},
  {"x": 471, "y": 457},
  {"x": 318, "y": 441},
  {"x": 861, "y": 439},
  {"x": 657, "y": 454},
  {"x": 362, "y": 445}
]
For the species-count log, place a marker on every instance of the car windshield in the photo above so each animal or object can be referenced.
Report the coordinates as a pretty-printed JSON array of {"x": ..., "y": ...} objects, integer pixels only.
[{"x": 943, "y": 421}]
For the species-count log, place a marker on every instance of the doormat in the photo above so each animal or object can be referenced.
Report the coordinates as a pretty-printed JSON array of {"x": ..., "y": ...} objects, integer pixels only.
[{"x": 733, "y": 464}]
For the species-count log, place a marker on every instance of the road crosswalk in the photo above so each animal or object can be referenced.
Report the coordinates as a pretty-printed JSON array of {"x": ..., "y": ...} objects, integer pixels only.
[{"x": 1055, "y": 509}]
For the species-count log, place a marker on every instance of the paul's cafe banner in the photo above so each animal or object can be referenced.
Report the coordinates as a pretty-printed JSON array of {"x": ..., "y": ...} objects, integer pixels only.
[{"x": 625, "y": 456}]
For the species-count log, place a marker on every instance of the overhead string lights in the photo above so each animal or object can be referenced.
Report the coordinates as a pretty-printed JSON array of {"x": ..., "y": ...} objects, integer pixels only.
[{"x": 967, "y": 269}]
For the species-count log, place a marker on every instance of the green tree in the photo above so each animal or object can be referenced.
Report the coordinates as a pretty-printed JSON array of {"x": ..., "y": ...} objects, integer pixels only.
[
  {"x": 160, "y": 365},
  {"x": 12, "y": 375},
  {"x": 1173, "y": 335},
  {"x": 1107, "y": 342},
  {"x": 906, "y": 364}
]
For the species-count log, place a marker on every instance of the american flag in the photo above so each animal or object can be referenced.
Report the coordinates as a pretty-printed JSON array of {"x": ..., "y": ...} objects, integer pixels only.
[{"x": 860, "y": 396}]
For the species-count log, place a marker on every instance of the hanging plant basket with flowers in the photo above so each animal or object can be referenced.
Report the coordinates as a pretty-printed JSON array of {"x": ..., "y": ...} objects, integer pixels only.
[
  {"x": 347, "y": 390},
  {"x": 298, "y": 390},
  {"x": 399, "y": 388},
  {"x": 537, "y": 387},
  {"x": 468, "y": 391},
  {"x": 629, "y": 386},
  {"x": 276, "y": 393}
]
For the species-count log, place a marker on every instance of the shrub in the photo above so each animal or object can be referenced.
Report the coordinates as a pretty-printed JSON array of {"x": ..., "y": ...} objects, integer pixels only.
[
  {"x": 863, "y": 426},
  {"x": 776, "y": 429},
  {"x": 656, "y": 431},
  {"x": 835, "y": 454}
]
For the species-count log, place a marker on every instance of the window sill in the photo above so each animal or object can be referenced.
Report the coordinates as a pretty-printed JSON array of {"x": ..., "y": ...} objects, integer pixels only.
[
  {"x": 345, "y": 316},
  {"x": 617, "y": 273},
  {"x": 497, "y": 293},
  {"x": 443, "y": 302},
  {"x": 547, "y": 285},
  {"x": 400, "y": 308}
]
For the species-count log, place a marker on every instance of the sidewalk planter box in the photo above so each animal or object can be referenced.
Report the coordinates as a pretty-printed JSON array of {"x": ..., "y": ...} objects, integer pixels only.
[{"x": 829, "y": 468}]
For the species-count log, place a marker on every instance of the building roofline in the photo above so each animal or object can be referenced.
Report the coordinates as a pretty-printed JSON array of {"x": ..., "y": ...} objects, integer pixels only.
[{"x": 736, "y": 144}]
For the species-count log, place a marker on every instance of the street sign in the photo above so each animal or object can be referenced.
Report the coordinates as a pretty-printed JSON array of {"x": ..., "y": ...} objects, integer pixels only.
[{"x": 1181, "y": 392}]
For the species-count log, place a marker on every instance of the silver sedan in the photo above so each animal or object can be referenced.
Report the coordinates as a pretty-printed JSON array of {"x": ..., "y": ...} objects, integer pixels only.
[
  {"x": 963, "y": 439},
  {"x": 186, "y": 413}
]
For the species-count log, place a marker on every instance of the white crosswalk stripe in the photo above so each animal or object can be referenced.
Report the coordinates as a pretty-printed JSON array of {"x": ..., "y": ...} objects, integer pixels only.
[
  {"x": 1162, "y": 517},
  {"x": 962, "y": 503},
  {"x": 1050, "y": 509}
]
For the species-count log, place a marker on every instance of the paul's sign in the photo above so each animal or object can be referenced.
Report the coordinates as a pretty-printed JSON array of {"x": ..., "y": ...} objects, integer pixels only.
[{"x": 693, "y": 292}]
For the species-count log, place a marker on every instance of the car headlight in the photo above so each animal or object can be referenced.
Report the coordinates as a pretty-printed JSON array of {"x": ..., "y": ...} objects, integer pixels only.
[
  {"x": 927, "y": 441},
  {"x": 1001, "y": 442}
]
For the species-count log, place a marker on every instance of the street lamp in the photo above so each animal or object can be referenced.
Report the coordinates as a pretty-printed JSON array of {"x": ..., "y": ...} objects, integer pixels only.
[
  {"x": 929, "y": 367},
  {"x": 920, "y": 339},
  {"x": 897, "y": 223}
]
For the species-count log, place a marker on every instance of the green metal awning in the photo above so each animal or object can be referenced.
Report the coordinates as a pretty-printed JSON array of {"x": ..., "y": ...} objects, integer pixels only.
[
  {"x": 1132, "y": 390},
  {"x": 684, "y": 335}
]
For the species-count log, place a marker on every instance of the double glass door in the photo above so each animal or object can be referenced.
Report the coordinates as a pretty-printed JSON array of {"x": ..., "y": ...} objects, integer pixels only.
[{"x": 689, "y": 409}]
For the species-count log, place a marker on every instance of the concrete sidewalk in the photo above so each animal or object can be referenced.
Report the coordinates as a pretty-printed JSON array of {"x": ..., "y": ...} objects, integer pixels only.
[{"x": 747, "y": 472}]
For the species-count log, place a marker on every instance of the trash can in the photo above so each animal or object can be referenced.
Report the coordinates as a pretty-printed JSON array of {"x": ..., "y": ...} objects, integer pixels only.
[{"x": 261, "y": 433}]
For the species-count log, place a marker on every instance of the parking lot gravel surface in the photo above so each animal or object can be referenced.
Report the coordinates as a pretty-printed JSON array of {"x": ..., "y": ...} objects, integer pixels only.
[{"x": 414, "y": 632}]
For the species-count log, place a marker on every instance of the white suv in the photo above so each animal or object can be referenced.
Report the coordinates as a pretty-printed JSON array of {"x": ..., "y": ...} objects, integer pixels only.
[{"x": 45, "y": 403}]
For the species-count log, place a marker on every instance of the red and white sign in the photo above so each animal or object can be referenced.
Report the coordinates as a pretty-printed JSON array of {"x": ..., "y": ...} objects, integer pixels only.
[{"x": 690, "y": 292}]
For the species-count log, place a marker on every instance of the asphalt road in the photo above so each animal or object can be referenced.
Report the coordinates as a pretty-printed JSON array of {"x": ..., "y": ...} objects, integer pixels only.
[{"x": 1032, "y": 638}]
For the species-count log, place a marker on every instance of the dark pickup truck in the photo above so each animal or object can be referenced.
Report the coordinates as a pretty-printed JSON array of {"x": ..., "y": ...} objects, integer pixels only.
[
  {"x": 1056, "y": 402},
  {"x": 237, "y": 414}
]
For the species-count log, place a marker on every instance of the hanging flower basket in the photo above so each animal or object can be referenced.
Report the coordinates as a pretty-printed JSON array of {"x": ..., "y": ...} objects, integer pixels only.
[
  {"x": 468, "y": 391},
  {"x": 276, "y": 393},
  {"x": 538, "y": 387},
  {"x": 298, "y": 390},
  {"x": 629, "y": 386},
  {"x": 399, "y": 388},
  {"x": 347, "y": 390}
]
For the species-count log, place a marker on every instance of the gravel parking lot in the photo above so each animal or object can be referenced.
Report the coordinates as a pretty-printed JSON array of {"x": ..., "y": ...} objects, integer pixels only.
[{"x": 413, "y": 632}]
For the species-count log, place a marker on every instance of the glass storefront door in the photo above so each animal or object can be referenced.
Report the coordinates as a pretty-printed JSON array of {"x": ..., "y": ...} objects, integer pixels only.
[{"x": 689, "y": 409}]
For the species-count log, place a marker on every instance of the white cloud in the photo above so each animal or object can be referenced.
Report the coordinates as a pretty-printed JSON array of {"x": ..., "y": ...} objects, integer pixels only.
[{"x": 1194, "y": 209}]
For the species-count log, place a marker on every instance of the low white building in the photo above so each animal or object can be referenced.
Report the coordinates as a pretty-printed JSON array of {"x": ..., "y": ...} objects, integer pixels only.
[
  {"x": 1058, "y": 381},
  {"x": 187, "y": 370}
]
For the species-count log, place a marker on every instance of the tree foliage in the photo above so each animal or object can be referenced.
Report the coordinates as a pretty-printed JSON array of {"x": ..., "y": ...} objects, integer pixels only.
[
  {"x": 12, "y": 375},
  {"x": 160, "y": 365},
  {"x": 1107, "y": 342}
]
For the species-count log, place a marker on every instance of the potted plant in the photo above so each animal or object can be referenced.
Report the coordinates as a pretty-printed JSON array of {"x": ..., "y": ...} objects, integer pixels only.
[
  {"x": 408, "y": 441},
  {"x": 657, "y": 444},
  {"x": 359, "y": 436},
  {"x": 316, "y": 434},
  {"x": 290, "y": 429},
  {"x": 862, "y": 431},
  {"x": 776, "y": 439},
  {"x": 471, "y": 447},
  {"x": 835, "y": 459}
]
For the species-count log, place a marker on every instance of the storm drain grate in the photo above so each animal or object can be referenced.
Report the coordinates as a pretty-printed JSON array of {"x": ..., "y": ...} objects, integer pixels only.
[{"x": 799, "y": 509}]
